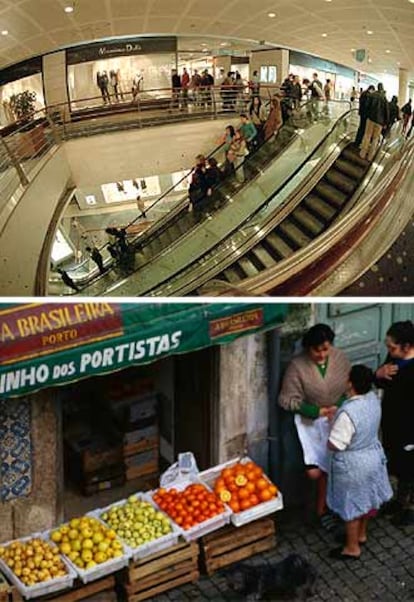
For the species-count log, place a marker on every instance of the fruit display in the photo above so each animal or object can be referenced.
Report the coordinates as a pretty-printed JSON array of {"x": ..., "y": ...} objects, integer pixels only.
[
  {"x": 189, "y": 507},
  {"x": 87, "y": 542},
  {"x": 33, "y": 561},
  {"x": 137, "y": 522},
  {"x": 243, "y": 486}
]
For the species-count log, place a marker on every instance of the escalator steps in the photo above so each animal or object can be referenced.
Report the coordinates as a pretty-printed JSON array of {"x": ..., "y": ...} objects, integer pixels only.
[
  {"x": 279, "y": 246},
  {"x": 263, "y": 256},
  {"x": 340, "y": 181},
  {"x": 349, "y": 169},
  {"x": 351, "y": 154},
  {"x": 334, "y": 196},
  {"x": 319, "y": 208},
  {"x": 294, "y": 233},
  {"x": 305, "y": 219},
  {"x": 248, "y": 267}
]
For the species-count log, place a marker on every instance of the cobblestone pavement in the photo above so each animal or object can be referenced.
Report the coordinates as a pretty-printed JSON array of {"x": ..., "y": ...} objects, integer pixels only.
[{"x": 385, "y": 571}]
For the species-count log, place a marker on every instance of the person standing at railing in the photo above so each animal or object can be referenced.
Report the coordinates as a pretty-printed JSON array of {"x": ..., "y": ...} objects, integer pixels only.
[
  {"x": 176, "y": 89},
  {"x": 96, "y": 256},
  {"x": 195, "y": 84},
  {"x": 407, "y": 112},
  {"x": 185, "y": 83},
  {"x": 254, "y": 84},
  {"x": 102, "y": 82},
  {"x": 207, "y": 82}
]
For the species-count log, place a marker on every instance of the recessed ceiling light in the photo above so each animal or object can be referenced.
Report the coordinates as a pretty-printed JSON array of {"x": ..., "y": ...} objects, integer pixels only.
[
  {"x": 324, "y": 35},
  {"x": 4, "y": 32},
  {"x": 271, "y": 15},
  {"x": 328, "y": 0},
  {"x": 369, "y": 60},
  {"x": 369, "y": 32},
  {"x": 68, "y": 9},
  {"x": 398, "y": 63},
  {"x": 352, "y": 49},
  {"x": 206, "y": 50},
  {"x": 224, "y": 44},
  {"x": 388, "y": 51},
  {"x": 412, "y": 1}
]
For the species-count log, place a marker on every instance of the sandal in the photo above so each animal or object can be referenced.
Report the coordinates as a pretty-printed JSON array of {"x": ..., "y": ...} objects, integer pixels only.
[
  {"x": 338, "y": 554},
  {"x": 329, "y": 521}
]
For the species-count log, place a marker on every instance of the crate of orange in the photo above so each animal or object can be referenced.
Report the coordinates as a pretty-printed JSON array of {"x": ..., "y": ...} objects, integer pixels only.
[
  {"x": 245, "y": 488},
  {"x": 194, "y": 507}
]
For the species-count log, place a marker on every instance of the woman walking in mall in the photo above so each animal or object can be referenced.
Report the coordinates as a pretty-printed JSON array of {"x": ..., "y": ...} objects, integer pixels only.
[
  {"x": 358, "y": 482},
  {"x": 313, "y": 386},
  {"x": 396, "y": 378}
]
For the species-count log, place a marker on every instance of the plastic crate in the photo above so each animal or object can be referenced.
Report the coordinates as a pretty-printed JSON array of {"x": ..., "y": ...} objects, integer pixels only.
[
  {"x": 151, "y": 547},
  {"x": 208, "y": 477},
  {"x": 100, "y": 570},
  {"x": 207, "y": 526},
  {"x": 47, "y": 587}
]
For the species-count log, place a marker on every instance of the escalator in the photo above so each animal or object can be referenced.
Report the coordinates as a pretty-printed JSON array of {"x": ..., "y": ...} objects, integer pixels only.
[
  {"x": 312, "y": 216},
  {"x": 179, "y": 223}
]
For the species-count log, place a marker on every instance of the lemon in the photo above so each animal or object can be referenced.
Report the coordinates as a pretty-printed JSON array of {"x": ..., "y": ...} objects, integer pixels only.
[
  {"x": 65, "y": 548},
  {"x": 87, "y": 544},
  {"x": 56, "y": 536}
]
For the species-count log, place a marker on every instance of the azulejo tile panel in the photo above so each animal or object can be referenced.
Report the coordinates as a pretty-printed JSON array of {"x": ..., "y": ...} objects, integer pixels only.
[{"x": 15, "y": 449}]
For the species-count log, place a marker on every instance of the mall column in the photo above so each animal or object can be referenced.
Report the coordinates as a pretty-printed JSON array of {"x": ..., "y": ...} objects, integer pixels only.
[{"x": 402, "y": 86}]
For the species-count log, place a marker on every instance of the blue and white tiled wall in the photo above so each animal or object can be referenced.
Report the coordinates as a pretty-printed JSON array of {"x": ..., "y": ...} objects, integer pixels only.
[{"x": 15, "y": 449}]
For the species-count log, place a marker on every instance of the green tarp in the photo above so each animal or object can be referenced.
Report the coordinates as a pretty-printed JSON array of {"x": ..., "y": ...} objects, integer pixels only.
[{"x": 50, "y": 344}]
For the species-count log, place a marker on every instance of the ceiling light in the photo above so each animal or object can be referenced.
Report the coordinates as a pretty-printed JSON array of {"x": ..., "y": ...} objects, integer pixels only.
[
  {"x": 4, "y": 32},
  {"x": 328, "y": 0},
  {"x": 271, "y": 15},
  {"x": 412, "y": 1},
  {"x": 223, "y": 44},
  {"x": 398, "y": 63},
  {"x": 324, "y": 35},
  {"x": 68, "y": 9},
  {"x": 388, "y": 51},
  {"x": 369, "y": 32},
  {"x": 352, "y": 49},
  {"x": 206, "y": 50}
]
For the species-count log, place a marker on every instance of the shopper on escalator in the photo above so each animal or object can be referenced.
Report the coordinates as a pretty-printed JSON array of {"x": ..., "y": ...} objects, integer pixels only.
[
  {"x": 248, "y": 131},
  {"x": 378, "y": 115},
  {"x": 258, "y": 116},
  {"x": 296, "y": 92},
  {"x": 198, "y": 186},
  {"x": 275, "y": 120},
  {"x": 394, "y": 115},
  {"x": 363, "y": 115}
]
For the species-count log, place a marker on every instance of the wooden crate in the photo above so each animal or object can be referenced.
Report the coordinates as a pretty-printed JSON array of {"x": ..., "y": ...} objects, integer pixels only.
[
  {"x": 161, "y": 572},
  {"x": 232, "y": 544},
  {"x": 82, "y": 591}
]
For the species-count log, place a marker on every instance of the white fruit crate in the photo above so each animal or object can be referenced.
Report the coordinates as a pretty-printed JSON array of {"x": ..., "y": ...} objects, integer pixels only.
[
  {"x": 100, "y": 570},
  {"x": 208, "y": 477},
  {"x": 151, "y": 547},
  {"x": 46, "y": 587},
  {"x": 207, "y": 526}
]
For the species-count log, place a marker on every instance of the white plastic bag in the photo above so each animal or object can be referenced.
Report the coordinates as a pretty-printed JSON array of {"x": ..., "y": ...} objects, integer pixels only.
[{"x": 182, "y": 470}]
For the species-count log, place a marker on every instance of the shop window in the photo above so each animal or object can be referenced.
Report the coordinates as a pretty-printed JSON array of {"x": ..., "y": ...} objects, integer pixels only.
[
  {"x": 268, "y": 74},
  {"x": 32, "y": 83},
  {"x": 15, "y": 449}
]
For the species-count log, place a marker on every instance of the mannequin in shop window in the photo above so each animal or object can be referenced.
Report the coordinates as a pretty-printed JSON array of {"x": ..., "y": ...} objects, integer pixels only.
[
  {"x": 102, "y": 81},
  {"x": 114, "y": 83}
]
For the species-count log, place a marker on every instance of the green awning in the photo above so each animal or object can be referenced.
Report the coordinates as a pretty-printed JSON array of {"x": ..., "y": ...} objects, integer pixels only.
[{"x": 51, "y": 344}]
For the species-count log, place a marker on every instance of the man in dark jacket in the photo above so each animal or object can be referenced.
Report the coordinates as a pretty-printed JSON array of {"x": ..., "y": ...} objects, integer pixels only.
[
  {"x": 96, "y": 256},
  {"x": 406, "y": 111},
  {"x": 378, "y": 115},
  {"x": 176, "y": 88},
  {"x": 362, "y": 111}
]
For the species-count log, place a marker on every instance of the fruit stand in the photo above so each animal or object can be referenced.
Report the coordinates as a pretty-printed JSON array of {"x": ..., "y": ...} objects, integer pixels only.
[{"x": 152, "y": 542}]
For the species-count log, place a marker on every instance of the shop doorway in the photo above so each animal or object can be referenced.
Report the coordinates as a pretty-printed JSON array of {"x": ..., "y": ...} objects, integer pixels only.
[{"x": 122, "y": 430}]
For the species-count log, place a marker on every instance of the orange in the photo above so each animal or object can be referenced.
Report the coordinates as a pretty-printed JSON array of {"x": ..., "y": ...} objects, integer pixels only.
[
  {"x": 241, "y": 480},
  {"x": 245, "y": 504},
  {"x": 261, "y": 484},
  {"x": 244, "y": 493},
  {"x": 251, "y": 487},
  {"x": 254, "y": 500},
  {"x": 265, "y": 495}
]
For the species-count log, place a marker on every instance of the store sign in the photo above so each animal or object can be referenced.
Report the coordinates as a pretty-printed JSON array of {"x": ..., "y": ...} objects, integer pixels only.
[
  {"x": 242, "y": 322},
  {"x": 21, "y": 70},
  {"x": 41, "y": 329},
  {"x": 44, "y": 345},
  {"x": 114, "y": 48}
]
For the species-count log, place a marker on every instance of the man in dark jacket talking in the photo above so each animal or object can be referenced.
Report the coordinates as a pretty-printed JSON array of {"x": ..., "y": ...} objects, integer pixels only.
[{"x": 377, "y": 112}]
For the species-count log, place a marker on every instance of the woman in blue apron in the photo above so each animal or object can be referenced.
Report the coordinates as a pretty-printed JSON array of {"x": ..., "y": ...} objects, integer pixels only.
[{"x": 358, "y": 481}]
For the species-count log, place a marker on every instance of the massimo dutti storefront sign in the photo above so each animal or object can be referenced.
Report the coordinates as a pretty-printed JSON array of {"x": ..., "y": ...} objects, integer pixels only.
[{"x": 125, "y": 47}]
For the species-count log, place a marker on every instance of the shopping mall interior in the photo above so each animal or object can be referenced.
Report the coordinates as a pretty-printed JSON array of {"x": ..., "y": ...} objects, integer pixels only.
[{"x": 98, "y": 175}]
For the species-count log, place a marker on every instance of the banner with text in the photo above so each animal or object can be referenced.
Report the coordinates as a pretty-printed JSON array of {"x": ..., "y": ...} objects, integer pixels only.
[{"x": 49, "y": 344}]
